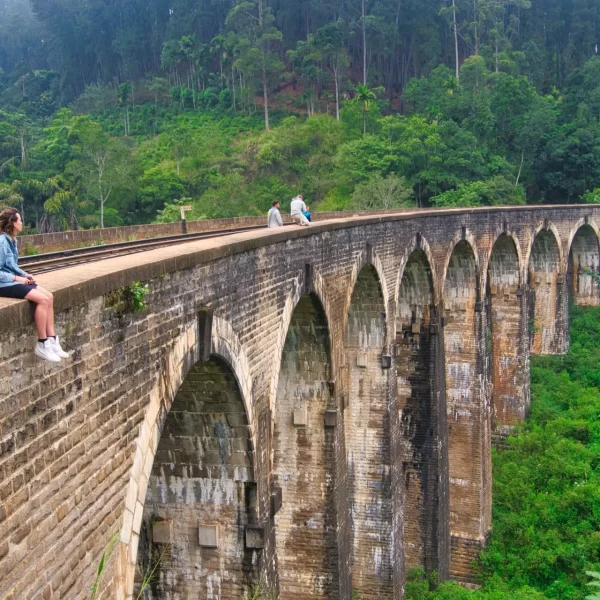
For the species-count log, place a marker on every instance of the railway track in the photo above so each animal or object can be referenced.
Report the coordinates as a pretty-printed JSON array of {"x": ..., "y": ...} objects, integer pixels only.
[{"x": 44, "y": 263}]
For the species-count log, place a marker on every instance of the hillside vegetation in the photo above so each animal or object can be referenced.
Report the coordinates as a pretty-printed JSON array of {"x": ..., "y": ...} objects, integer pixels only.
[
  {"x": 546, "y": 513},
  {"x": 109, "y": 111}
]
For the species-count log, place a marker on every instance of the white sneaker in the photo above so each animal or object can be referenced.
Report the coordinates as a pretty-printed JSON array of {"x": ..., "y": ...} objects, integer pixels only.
[
  {"x": 55, "y": 345},
  {"x": 45, "y": 351}
]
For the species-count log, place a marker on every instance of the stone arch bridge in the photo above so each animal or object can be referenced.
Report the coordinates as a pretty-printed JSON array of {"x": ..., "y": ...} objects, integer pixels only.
[{"x": 310, "y": 411}]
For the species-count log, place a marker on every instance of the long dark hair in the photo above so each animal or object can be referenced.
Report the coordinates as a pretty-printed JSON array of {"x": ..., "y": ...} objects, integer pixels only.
[{"x": 8, "y": 218}]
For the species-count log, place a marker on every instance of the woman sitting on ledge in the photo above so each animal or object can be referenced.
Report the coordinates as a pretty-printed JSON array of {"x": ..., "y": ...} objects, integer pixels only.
[{"x": 15, "y": 283}]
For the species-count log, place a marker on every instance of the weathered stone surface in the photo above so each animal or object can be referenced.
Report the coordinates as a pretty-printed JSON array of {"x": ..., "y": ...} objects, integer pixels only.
[{"x": 136, "y": 424}]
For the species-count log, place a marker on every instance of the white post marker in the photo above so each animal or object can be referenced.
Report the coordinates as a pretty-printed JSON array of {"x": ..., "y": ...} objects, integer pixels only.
[{"x": 184, "y": 209}]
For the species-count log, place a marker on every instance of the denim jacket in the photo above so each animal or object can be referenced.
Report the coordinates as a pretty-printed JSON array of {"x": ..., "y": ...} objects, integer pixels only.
[{"x": 9, "y": 256}]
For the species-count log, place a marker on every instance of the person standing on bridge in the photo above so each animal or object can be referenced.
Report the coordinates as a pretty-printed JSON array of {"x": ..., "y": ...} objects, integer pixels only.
[
  {"x": 298, "y": 208},
  {"x": 274, "y": 217},
  {"x": 16, "y": 284}
]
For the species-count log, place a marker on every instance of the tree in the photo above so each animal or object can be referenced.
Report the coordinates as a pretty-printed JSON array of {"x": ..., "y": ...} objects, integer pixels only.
[
  {"x": 382, "y": 193},
  {"x": 259, "y": 38},
  {"x": 102, "y": 164},
  {"x": 365, "y": 97}
]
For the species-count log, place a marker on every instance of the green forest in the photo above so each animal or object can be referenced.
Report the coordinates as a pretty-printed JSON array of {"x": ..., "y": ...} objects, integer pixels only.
[
  {"x": 114, "y": 111},
  {"x": 546, "y": 513}
]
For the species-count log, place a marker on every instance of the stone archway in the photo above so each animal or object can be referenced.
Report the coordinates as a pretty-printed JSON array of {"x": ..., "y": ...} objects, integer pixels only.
[
  {"x": 367, "y": 439},
  {"x": 546, "y": 319},
  {"x": 468, "y": 412},
  {"x": 506, "y": 335},
  {"x": 304, "y": 459},
  {"x": 201, "y": 492},
  {"x": 420, "y": 375},
  {"x": 584, "y": 257}
]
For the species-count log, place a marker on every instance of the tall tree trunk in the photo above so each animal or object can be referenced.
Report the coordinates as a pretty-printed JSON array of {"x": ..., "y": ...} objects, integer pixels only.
[
  {"x": 390, "y": 73},
  {"x": 520, "y": 167},
  {"x": 475, "y": 27},
  {"x": 364, "y": 40},
  {"x": 266, "y": 100},
  {"x": 455, "y": 42},
  {"x": 337, "y": 94}
]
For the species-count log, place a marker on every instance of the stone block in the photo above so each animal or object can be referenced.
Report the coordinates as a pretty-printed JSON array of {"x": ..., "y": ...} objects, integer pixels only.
[
  {"x": 208, "y": 536},
  {"x": 300, "y": 417},
  {"x": 276, "y": 500},
  {"x": 255, "y": 537},
  {"x": 162, "y": 532},
  {"x": 331, "y": 418}
]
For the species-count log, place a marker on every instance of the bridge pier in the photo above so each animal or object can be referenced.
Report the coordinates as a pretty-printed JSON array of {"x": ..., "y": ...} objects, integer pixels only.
[
  {"x": 548, "y": 303},
  {"x": 421, "y": 402},
  {"x": 507, "y": 340},
  {"x": 368, "y": 441},
  {"x": 304, "y": 464},
  {"x": 468, "y": 409},
  {"x": 584, "y": 258}
]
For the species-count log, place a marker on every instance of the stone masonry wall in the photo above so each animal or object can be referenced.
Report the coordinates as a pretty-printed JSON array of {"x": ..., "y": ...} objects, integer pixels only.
[
  {"x": 201, "y": 477},
  {"x": 415, "y": 401},
  {"x": 78, "y": 440},
  {"x": 584, "y": 257},
  {"x": 546, "y": 288},
  {"x": 368, "y": 441},
  {"x": 510, "y": 380},
  {"x": 303, "y": 462}
]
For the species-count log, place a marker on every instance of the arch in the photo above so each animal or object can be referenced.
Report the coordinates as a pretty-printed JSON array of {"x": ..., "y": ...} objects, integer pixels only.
[
  {"x": 507, "y": 340},
  {"x": 547, "y": 319},
  {"x": 464, "y": 238},
  {"x": 291, "y": 303},
  {"x": 504, "y": 235},
  {"x": 584, "y": 256},
  {"x": 367, "y": 438},
  {"x": 202, "y": 485},
  {"x": 422, "y": 418},
  {"x": 304, "y": 459},
  {"x": 421, "y": 244},
  {"x": 174, "y": 369},
  {"x": 468, "y": 418},
  {"x": 548, "y": 228},
  {"x": 365, "y": 258}
]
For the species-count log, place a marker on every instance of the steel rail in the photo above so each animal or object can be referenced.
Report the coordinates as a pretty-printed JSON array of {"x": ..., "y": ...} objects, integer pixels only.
[{"x": 52, "y": 261}]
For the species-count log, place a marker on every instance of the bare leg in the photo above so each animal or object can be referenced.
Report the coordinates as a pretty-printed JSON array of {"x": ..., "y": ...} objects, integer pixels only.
[
  {"x": 41, "y": 312},
  {"x": 50, "y": 318}
]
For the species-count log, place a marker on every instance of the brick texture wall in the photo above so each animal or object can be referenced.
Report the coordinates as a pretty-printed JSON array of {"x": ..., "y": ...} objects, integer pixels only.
[
  {"x": 506, "y": 323},
  {"x": 96, "y": 445},
  {"x": 584, "y": 257},
  {"x": 199, "y": 478},
  {"x": 367, "y": 438}
]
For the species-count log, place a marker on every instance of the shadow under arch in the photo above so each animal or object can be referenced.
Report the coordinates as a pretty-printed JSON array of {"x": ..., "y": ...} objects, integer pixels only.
[
  {"x": 583, "y": 261},
  {"x": 367, "y": 437},
  {"x": 547, "y": 318},
  {"x": 468, "y": 411},
  {"x": 299, "y": 287},
  {"x": 368, "y": 257},
  {"x": 421, "y": 402},
  {"x": 176, "y": 366},
  {"x": 304, "y": 458},
  {"x": 506, "y": 336}
]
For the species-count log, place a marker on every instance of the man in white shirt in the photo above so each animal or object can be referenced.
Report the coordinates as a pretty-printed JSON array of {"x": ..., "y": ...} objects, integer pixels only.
[
  {"x": 274, "y": 217},
  {"x": 298, "y": 207}
]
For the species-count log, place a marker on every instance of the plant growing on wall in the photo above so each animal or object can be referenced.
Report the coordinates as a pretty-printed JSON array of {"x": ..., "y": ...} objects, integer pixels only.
[{"x": 134, "y": 295}]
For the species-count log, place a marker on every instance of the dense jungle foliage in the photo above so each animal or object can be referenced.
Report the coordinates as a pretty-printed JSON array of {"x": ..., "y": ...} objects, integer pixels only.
[
  {"x": 546, "y": 514},
  {"x": 110, "y": 110}
]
